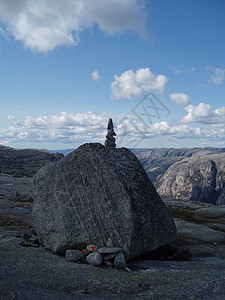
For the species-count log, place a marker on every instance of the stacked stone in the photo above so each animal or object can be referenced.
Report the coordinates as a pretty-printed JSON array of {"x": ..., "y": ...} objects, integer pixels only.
[
  {"x": 109, "y": 256},
  {"x": 110, "y": 140}
]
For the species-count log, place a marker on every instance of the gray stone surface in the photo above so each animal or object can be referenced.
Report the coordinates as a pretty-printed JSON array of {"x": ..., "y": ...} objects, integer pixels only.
[
  {"x": 74, "y": 255},
  {"x": 107, "y": 250},
  {"x": 156, "y": 161},
  {"x": 200, "y": 232},
  {"x": 24, "y": 162},
  {"x": 197, "y": 178},
  {"x": 96, "y": 193},
  {"x": 94, "y": 259},
  {"x": 120, "y": 261},
  {"x": 200, "y": 239},
  {"x": 213, "y": 211},
  {"x": 10, "y": 185},
  {"x": 35, "y": 273}
]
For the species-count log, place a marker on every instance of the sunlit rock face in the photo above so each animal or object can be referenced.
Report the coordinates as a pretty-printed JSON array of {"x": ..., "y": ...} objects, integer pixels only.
[{"x": 197, "y": 179}]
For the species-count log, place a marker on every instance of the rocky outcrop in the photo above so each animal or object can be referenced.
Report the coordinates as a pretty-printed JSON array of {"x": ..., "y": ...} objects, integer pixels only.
[
  {"x": 96, "y": 194},
  {"x": 24, "y": 162},
  {"x": 157, "y": 161},
  {"x": 197, "y": 179},
  {"x": 200, "y": 227}
]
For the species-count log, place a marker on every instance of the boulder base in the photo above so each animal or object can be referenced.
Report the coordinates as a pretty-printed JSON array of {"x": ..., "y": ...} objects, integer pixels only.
[{"x": 97, "y": 193}]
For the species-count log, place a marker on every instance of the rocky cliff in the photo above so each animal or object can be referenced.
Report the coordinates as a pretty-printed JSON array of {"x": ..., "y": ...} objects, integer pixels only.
[
  {"x": 196, "y": 178},
  {"x": 186, "y": 174},
  {"x": 156, "y": 161},
  {"x": 97, "y": 193},
  {"x": 24, "y": 162}
]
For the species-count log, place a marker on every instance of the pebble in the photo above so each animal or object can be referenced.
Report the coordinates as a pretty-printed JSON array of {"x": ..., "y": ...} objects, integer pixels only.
[
  {"x": 120, "y": 261},
  {"x": 74, "y": 255},
  {"x": 91, "y": 248},
  {"x": 107, "y": 250},
  {"x": 94, "y": 259},
  {"x": 109, "y": 243}
]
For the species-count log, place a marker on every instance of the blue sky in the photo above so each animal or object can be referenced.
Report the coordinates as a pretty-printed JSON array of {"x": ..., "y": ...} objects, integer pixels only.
[{"x": 67, "y": 66}]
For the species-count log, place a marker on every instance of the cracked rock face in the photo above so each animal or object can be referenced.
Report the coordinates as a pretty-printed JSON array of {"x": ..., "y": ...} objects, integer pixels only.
[
  {"x": 197, "y": 179},
  {"x": 97, "y": 193}
]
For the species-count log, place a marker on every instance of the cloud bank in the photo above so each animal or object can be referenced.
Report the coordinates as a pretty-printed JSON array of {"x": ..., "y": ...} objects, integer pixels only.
[
  {"x": 131, "y": 83},
  {"x": 80, "y": 128},
  {"x": 44, "y": 25}
]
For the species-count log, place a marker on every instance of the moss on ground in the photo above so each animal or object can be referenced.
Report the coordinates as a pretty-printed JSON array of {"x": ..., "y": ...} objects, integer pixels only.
[{"x": 187, "y": 215}]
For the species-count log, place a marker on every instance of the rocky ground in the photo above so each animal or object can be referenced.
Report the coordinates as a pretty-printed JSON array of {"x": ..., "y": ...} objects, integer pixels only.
[
  {"x": 24, "y": 162},
  {"x": 36, "y": 273},
  {"x": 200, "y": 227},
  {"x": 15, "y": 201}
]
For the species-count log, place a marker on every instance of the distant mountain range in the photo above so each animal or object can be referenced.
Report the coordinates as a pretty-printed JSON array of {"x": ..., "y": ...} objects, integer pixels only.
[{"x": 196, "y": 174}]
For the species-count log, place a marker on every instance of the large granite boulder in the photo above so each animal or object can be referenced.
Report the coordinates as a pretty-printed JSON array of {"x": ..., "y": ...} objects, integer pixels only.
[
  {"x": 196, "y": 178},
  {"x": 97, "y": 193}
]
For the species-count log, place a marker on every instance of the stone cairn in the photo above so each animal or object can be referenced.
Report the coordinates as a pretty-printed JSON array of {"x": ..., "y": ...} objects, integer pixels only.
[
  {"x": 110, "y": 140},
  {"x": 108, "y": 256}
]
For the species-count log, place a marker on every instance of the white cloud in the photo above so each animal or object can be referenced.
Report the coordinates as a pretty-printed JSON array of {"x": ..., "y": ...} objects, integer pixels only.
[
  {"x": 95, "y": 75},
  {"x": 218, "y": 76},
  {"x": 69, "y": 128},
  {"x": 203, "y": 114},
  {"x": 130, "y": 84},
  {"x": 180, "y": 98},
  {"x": 43, "y": 25}
]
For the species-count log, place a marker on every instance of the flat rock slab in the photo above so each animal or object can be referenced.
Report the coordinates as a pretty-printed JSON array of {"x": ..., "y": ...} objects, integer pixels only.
[
  {"x": 106, "y": 250},
  {"x": 200, "y": 232},
  {"x": 43, "y": 275},
  {"x": 10, "y": 185},
  {"x": 212, "y": 211}
]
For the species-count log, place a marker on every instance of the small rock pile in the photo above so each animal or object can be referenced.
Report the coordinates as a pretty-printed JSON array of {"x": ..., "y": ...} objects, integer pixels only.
[{"x": 108, "y": 256}]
